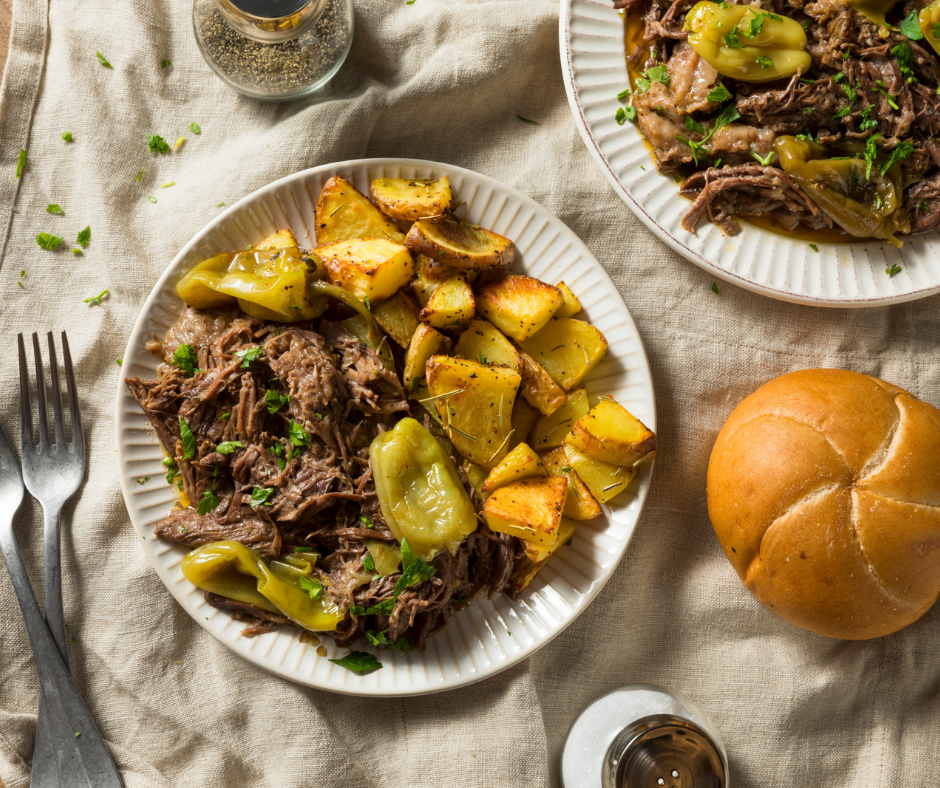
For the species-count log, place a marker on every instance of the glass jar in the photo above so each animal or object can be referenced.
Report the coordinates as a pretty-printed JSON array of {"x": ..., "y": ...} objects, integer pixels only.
[{"x": 274, "y": 50}]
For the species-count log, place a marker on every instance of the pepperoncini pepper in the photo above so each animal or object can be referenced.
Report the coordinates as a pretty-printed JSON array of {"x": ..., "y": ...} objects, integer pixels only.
[
  {"x": 419, "y": 490},
  {"x": 235, "y": 571},
  {"x": 875, "y": 10},
  {"x": 851, "y": 191},
  {"x": 746, "y": 43},
  {"x": 929, "y": 21}
]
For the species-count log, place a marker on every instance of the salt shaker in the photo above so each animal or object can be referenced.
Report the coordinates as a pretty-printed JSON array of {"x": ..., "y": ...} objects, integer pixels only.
[
  {"x": 644, "y": 736},
  {"x": 274, "y": 50}
]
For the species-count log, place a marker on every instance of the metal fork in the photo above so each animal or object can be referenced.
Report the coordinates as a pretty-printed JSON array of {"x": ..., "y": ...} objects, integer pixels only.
[
  {"x": 80, "y": 756},
  {"x": 53, "y": 472}
]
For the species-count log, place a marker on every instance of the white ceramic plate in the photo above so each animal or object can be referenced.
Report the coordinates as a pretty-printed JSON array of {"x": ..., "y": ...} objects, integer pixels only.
[
  {"x": 492, "y": 634},
  {"x": 594, "y": 66}
]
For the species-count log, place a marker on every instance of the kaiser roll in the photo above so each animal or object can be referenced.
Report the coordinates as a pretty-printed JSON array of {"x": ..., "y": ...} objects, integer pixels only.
[{"x": 824, "y": 491}]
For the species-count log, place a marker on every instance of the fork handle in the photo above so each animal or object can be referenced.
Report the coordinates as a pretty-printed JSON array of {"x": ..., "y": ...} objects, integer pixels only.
[
  {"x": 44, "y": 773},
  {"x": 83, "y": 760}
]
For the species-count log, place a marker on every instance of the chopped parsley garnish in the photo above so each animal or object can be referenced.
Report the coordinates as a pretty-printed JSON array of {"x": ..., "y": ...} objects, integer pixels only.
[
  {"x": 624, "y": 94},
  {"x": 361, "y": 661},
  {"x": 850, "y": 93},
  {"x": 413, "y": 569},
  {"x": 312, "y": 586},
  {"x": 103, "y": 60},
  {"x": 119, "y": 362},
  {"x": 719, "y": 93},
  {"x": 172, "y": 469},
  {"x": 167, "y": 185},
  {"x": 366, "y": 521},
  {"x": 814, "y": 247},
  {"x": 922, "y": 205},
  {"x": 303, "y": 549},
  {"x": 620, "y": 116},
  {"x": 188, "y": 440},
  {"x": 96, "y": 300},
  {"x": 195, "y": 128},
  {"x": 67, "y": 136},
  {"x": 905, "y": 56},
  {"x": 275, "y": 400},
  {"x": 260, "y": 495},
  {"x": 219, "y": 204},
  {"x": 186, "y": 359},
  {"x": 367, "y": 303},
  {"x": 900, "y": 152},
  {"x": 879, "y": 88},
  {"x": 278, "y": 451},
  {"x": 248, "y": 355},
  {"x": 842, "y": 113},
  {"x": 566, "y": 469},
  {"x": 152, "y": 199},
  {"x": 732, "y": 40},
  {"x": 48, "y": 240},
  {"x": 658, "y": 74},
  {"x": 368, "y": 563},
  {"x": 715, "y": 288},
  {"x": 837, "y": 78},
  {"x": 142, "y": 480},
  {"x": 20, "y": 164},
  {"x": 298, "y": 435},
  {"x": 157, "y": 144},
  {"x": 84, "y": 236},
  {"x": 728, "y": 115},
  {"x": 894, "y": 269},
  {"x": 527, "y": 120},
  {"x": 54, "y": 208},
  {"x": 692, "y": 125},
  {"x": 209, "y": 501},
  {"x": 228, "y": 447},
  {"x": 765, "y": 160},
  {"x": 164, "y": 63},
  {"x": 910, "y": 27},
  {"x": 140, "y": 175}
]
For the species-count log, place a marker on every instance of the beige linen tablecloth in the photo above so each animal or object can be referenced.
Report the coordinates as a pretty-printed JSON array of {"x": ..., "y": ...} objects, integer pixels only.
[{"x": 441, "y": 81}]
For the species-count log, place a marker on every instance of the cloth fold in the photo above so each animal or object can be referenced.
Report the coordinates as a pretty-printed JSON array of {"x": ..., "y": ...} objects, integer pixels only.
[{"x": 444, "y": 82}]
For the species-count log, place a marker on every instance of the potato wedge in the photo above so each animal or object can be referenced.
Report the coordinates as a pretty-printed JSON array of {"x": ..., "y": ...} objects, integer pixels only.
[
  {"x": 451, "y": 305},
  {"x": 485, "y": 343},
  {"x": 567, "y": 350},
  {"x": 425, "y": 342},
  {"x": 520, "y": 463},
  {"x": 539, "y": 554},
  {"x": 609, "y": 432},
  {"x": 572, "y": 305},
  {"x": 475, "y": 403},
  {"x": 604, "y": 480},
  {"x": 579, "y": 503},
  {"x": 409, "y": 200},
  {"x": 550, "y": 431},
  {"x": 455, "y": 242},
  {"x": 529, "y": 509},
  {"x": 524, "y": 417},
  {"x": 282, "y": 239},
  {"x": 398, "y": 317},
  {"x": 370, "y": 268},
  {"x": 539, "y": 388},
  {"x": 519, "y": 306},
  {"x": 429, "y": 275},
  {"x": 344, "y": 213}
]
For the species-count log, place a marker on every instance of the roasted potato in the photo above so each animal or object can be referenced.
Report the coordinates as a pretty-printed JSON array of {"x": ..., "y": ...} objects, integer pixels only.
[
  {"x": 520, "y": 463},
  {"x": 529, "y": 509},
  {"x": 523, "y": 573},
  {"x": 603, "y": 479},
  {"x": 398, "y": 317},
  {"x": 451, "y": 305},
  {"x": 425, "y": 342},
  {"x": 572, "y": 305},
  {"x": 430, "y": 275},
  {"x": 409, "y": 200},
  {"x": 519, "y": 306},
  {"x": 455, "y": 242},
  {"x": 609, "y": 432},
  {"x": 524, "y": 417},
  {"x": 579, "y": 503},
  {"x": 539, "y": 554},
  {"x": 344, "y": 214},
  {"x": 282, "y": 239},
  {"x": 567, "y": 350},
  {"x": 539, "y": 388},
  {"x": 485, "y": 343},
  {"x": 475, "y": 403},
  {"x": 370, "y": 268},
  {"x": 550, "y": 431}
]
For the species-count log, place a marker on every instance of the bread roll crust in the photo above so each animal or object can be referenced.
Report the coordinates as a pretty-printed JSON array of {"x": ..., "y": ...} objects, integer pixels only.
[{"x": 824, "y": 492}]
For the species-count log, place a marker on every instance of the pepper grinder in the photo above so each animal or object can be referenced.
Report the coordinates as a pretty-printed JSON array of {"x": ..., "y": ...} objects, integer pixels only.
[
  {"x": 644, "y": 736},
  {"x": 275, "y": 50}
]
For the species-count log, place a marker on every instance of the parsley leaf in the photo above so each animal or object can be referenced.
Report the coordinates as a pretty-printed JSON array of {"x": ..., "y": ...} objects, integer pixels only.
[
  {"x": 84, "y": 236},
  {"x": 620, "y": 116},
  {"x": 54, "y": 208},
  {"x": 248, "y": 355},
  {"x": 195, "y": 128},
  {"x": 188, "y": 440},
  {"x": 381, "y": 609},
  {"x": 275, "y": 400},
  {"x": 172, "y": 469},
  {"x": 67, "y": 136},
  {"x": 48, "y": 241},
  {"x": 765, "y": 160},
  {"x": 278, "y": 451},
  {"x": 164, "y": 63},
  {"x": 403, "y": 645},
  {"x": 719, "y": 93},
  {"x": 910, "y": 27},
  {"x": 103, "y": 60},
  {"x": 413, "y": 569},
  {"x": 209, "y": 501},
  {"x": 312, "y": 586},
  {"x": 814, "y": 247},
  {"x": 658, "y": 74},
  {"x": 624, "y": 94},
  {"x": 693, "y": 125},
  {"x": 643, "y": 84},
  {"x": 186, "y": 359},
  {"x": 732, "y": 40},
  {"x": 157, "y": 144},
  {"x": 368, "y": 563},
  {"x": 378, "y": 638},
  {"x": 526, "y": 120},
  {"x": 629, "y": 113},
  {"x": 359, "y": 661},
  {"x": 894, "y": 269},
  {"x": 260, "y": 495},
  {"x": 763, "y": 61},
  {"x": 366, "y": 521},
  {"x": 298, "y": 435},
  {"x": 228, "y": 447},
  {"x": 905, "y": 56},
  {"x": 715, "y": 288},
  {"x": 842, "y": 113},
  {"x": 900, "y": 152},
  {"x": 96, "y": 300},
  {"x": 20, "y": 164}
]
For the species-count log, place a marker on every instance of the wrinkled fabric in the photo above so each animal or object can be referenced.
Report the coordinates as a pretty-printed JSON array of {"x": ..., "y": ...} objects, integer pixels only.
[{"x": 444, "y": 82}]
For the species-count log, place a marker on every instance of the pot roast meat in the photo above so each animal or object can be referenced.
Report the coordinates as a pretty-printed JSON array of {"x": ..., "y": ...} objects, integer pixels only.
[
  {"x": 184, "y": 526},
  {"x": 258, "y": 619}
]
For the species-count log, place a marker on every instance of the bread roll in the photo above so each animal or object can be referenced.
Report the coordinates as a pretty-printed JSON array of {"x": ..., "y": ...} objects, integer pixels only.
[{"x": 824, "y": 491}]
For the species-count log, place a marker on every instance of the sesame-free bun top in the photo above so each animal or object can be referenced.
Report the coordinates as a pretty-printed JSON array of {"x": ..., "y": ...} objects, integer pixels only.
[{"x": 824, "y": 491}]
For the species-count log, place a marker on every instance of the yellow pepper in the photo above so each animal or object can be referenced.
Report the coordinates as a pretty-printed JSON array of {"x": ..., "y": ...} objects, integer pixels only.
[
  {"x": 235, "y": 571},
  {"x": 745, "y": 43},
  {"x": 850, "y": 191},
  {"x": 929, "y": 21},
  {"x": 875, "y": 10},
  {"x": 385, "y": 556},
  {"x": 419, "y": 490}
]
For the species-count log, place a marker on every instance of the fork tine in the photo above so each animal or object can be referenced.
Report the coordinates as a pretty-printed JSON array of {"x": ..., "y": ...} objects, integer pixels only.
[
  {"x": 43, "y": 421},
  {"x": 77, "y": 437},
  {"x": 26, "y": 405},
  {"x": 8, "y": 462},
  {"x": 56, "y": 394}
]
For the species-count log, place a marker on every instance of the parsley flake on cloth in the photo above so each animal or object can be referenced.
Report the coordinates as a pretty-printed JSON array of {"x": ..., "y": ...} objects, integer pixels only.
[{"x": 48, "y": 240}]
